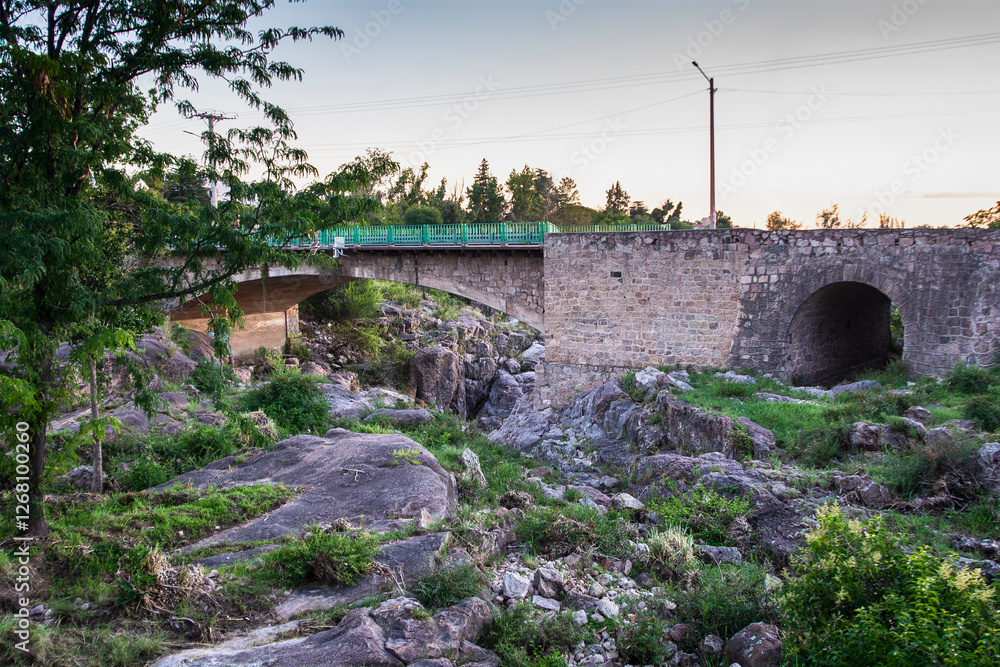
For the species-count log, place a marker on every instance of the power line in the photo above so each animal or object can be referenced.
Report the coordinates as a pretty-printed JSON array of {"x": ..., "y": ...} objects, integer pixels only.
[{"x": 657, "y": 78}]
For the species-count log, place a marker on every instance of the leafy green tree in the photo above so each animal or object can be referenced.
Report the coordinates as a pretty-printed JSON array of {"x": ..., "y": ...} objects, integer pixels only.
[
  {"x": 723, "y": 221},
  {"x": 573, "y": 215},
  {"x": 566, "y": 193},
  {"x": 617, "y": 199},
  {"x": 90, "y": 257},
  {"x": 486, "y": 200},
  {"x": 986, "y": 217},
  {"x": 525, "y": 204},
  {"x": 829, "y": 218},
  {"x": 422, "y": 215},
  {"x": 450, "y": 206},
  {"x": 777, "y": 222},
  {"x": 668, "y": 212},
  {"x": 638, "y": 209}
]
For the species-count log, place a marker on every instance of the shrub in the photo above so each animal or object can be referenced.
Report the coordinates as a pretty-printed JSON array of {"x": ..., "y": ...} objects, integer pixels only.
[
  {"x": 336, "y": 559},
  {"x": 861, "y": 599},
  {"x": 728, "y": 598},
  {"x": 211, "y": 378},
  {"x": 294, "y": 401},
  {"x": 448, "y": 586},
  {"x": 984, "y": 410},
  {"x": 967, "y": 379},
  {"x": 628, "y": 384},
  {"x": 671, "y": 552},
  {"x": 354, "y": 300},
  {"x": 519, "y": 641},
  {"x": 641, "y": 642},
  {"x": 704, "y": 512},
  {"x": 402, "y": 293},
  {"x": 917, "y": 470},
  {"x": 266, "y": 362}
]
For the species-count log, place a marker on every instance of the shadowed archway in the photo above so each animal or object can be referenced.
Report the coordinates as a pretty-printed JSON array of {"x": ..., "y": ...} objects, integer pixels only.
[{"x": 840, "y": 328}]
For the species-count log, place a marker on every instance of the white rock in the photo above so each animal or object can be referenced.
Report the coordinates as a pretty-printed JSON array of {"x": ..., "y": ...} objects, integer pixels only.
[
  {"x": 546, "y": 603},
  {"x": 607, "y": 608},
  {"x": 580, "y": 617},
  {"x": 515, "y": 586},
  {"x": 626, "y": 501}
]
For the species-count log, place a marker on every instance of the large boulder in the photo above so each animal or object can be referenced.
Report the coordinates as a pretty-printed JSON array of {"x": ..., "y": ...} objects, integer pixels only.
[
  {"x": 357, "y": 640},
  {"x": 988, "y": 466},
  {"x": 757, "y": 645},
  {"x": 687, "y": 428},
  {"x": 504, "y": 395},
  {"x": 525, "y": 426},
  {"x": 358, "y": 477},
  {"x": 437, "y": 376},
  {"x": 479, "y": 375},
  {"x": 344, "y": 403}
]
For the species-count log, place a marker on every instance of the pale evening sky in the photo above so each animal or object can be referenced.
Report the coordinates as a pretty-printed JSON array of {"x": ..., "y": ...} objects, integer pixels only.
[{"x": 874, "y": 104}]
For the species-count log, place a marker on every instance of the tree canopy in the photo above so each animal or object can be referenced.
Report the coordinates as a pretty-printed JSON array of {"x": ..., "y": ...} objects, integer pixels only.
[{"x": 94, "y": 251}]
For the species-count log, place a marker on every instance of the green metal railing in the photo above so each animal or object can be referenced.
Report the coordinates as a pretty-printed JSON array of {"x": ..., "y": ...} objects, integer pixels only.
[{"x": 500, "y": 234}]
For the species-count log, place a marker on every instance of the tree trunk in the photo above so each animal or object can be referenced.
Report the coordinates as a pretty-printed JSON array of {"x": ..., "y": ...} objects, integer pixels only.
[
  {"x": 37, "y": 525},
  {"x": 97, "y": 484}
]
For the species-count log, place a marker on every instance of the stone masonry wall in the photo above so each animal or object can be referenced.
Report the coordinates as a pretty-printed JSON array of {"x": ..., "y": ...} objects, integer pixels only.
[{"x": 728, "y": 297}]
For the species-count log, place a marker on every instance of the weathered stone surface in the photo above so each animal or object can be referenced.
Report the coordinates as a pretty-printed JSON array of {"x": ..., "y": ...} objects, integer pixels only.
[
  {"x": 319, "y": 369},
  {"x": 357, "y": 640},
  {"x": 472, "y": 470},
  {"x": 626, "y": 501},
  {"x": 988, "y": 460},
  {"x": 549, "y": 582},
  {"x": 515, "y": 585},
  {"x": 437, "y": 377},
  {"x": 80, "y": 477},
  {"x": 712, "y": 645},
  {"x": 920, "y": 414},
  {"x": 400, "y": 417},
  {"x": 545, "y": 603},
  {"x": 607, "y": 608},
  {"x": 347, "y": 475},
  {"x": 449, "y": 633},
  {"x": 503, "y": 398},
  {"x": 344, "y": 404},
  {"x": 757, "y": 645},
  {"x": 854, "y": 387},
  {"x": 687, "y": 428},
  {"x": 716, "y": 555},
  {"x": 525, "y": 426},
  {"x": 862, "y": 491}
]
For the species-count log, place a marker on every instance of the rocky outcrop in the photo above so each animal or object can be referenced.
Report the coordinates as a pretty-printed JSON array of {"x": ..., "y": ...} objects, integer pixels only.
[
  {"x": 361, "y": 478},
  {"x": 395, "y": 633},
  {"x": 988, "y": 466},
  {"x": 437, "y": 376},
  {"x": 503, "y": 397},
  {"x": 757, "y": 645},
  {"x": 779, "y": 518}
]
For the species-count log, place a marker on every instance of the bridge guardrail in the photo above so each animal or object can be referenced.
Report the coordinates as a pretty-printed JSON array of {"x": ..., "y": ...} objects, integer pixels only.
[{"x": 499, "y": 234}]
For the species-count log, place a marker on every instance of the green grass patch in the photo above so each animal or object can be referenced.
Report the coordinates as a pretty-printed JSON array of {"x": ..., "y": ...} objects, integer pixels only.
[
  {"x": 336, "y": 559},
  {"x": 725, "y": 599},
  {"x": 705, "y": 513},
  {"x": 519, "y": 640},
  {"x": 448, "y": 586}
]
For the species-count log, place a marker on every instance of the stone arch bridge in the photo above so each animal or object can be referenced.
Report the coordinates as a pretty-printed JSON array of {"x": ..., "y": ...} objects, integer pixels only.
[{"x": 804, "y": 305}]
